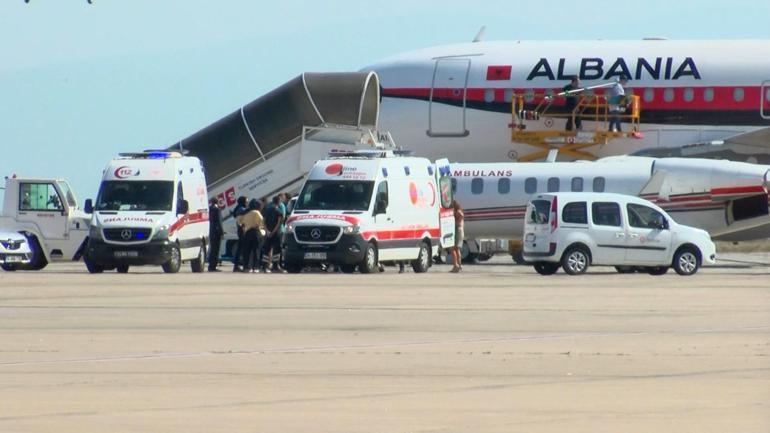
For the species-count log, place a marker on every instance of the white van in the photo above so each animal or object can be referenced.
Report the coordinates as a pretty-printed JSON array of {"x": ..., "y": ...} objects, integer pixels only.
[
  {"x": 576, "y": 230},
  {"x": 359, "y": 209},
  {"x": 151, "y": 210}
]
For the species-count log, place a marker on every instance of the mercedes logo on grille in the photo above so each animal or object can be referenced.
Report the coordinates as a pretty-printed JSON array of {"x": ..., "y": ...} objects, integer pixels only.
[
  {"x": 315, "y": 233},
  {"x": 125, "y": 234}
]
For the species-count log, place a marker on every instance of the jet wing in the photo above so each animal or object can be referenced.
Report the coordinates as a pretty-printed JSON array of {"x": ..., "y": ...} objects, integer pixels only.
[{"x": 757, "y": 138}]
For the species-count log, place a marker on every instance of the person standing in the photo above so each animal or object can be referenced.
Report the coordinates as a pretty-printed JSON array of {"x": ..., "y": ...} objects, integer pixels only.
[
  {"x": 215, "y": 234},
  {"x": 459, "y": 236},
  {"x": 240, "y": 209},
  {"x": 272, "y": 243},
  {"x": 571, "y": 94},
  {"x": 616, "y": 101},
  {"x": 253, "y": 229}
]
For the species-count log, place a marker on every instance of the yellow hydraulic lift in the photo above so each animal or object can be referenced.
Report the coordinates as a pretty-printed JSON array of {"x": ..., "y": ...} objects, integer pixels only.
[{"x": 589, "y": 108}]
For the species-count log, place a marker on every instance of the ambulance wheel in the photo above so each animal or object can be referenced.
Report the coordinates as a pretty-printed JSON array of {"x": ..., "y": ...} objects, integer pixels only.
[
  {"x": 348, "y": 269},
  {"x": 174, "y": 263},
  {"x": 546, "y": 268},
  {"x": 92, "y": 267},
  {"x": 370, "y": 264},
  {"x": 422, "y": 263},
  {"x": 657, "y": 270},
  {"x": 122, "y": 269},
  {"x": 293, "y": 268},
  {"x": 197, "y": 265},
  {"x": 686, "y": 261},
  {"x": 7, "y": 267},
  {"x": 575, "y": 261}
]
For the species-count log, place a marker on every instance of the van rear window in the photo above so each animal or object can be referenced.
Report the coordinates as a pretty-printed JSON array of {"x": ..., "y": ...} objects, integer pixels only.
[
  {"x": 575, "y": 212},
  {"x": 539, "y": 212}
]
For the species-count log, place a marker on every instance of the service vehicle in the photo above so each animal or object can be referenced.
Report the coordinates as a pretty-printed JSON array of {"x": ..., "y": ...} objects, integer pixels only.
[
  {"x": 46, "y": 213},
  {"x": 358, "y": 209},
  {"x": 577, "y": 230},
  {"x": 151, "y": 209},
  {"x": 14, "y": 250}
]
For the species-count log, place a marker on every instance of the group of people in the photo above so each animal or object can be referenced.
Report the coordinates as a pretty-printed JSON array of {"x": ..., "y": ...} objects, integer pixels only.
[
  {"x": 616, "y": 102},
  {"x": 260, "y": 225}
]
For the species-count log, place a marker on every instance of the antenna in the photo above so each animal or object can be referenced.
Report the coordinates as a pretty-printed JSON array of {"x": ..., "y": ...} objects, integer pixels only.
[{"x": 480, "y": 34}]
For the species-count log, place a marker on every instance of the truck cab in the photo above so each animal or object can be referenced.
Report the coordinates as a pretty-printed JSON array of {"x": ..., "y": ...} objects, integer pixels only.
[{"x": 46, "y": 212}]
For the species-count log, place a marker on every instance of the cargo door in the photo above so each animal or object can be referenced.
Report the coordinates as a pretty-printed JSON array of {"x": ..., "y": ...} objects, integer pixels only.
[
  {"x": 448, "y": 96},
  {"x": 764, "y": 100},
  {"x": 446, "y": 212}
]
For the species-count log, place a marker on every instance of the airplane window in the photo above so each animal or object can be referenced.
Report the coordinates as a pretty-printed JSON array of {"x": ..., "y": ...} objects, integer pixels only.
[
  {"x": 708, "y": 94},
  {"x": 489, "y": 95},
  {"x": 668, "y": 95},
  {"x": 477, "y": 185},
  {"x": 689, "y": 94},
  {"x": 530, "y": 185},
  {"x": 553, "y": 184},
  {"x": 577, "y": 184},
  {"x": 738, "y": 94},
  {"x": 504, "y": 185},
  {"x": 649, "y": 95},
  {"x": 599, "y": 184},
  {"x": 508, "y": 95}
]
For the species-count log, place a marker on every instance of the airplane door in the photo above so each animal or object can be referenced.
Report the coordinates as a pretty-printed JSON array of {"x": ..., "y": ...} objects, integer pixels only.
[
  {"x": 764, "y": 100},
  {"x": 448, "y": 98}
]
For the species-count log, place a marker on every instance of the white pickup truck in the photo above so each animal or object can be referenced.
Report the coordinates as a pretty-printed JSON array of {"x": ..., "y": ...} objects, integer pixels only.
[{"x": 45, "y": 211}]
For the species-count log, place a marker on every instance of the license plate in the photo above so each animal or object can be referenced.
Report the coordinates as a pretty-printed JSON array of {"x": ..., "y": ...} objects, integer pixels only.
[
  {"x": 12, "y": 259},
  {"x": 123, "y": 254},
  {"x": 315, "y": 256},
  {"x": 530, "y": 237}
]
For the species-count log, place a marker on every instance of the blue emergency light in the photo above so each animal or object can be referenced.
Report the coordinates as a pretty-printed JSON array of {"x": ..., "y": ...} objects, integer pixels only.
[{"x": 139, "y": 235}]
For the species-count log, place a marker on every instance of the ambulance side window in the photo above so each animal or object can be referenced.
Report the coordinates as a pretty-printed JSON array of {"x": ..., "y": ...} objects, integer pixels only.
[
  {"x": 179, "y": 195},
  {"x": 446, "y": 188}
]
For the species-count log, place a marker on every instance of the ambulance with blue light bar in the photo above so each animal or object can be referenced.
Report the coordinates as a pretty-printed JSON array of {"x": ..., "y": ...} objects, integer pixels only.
[
  {"x": 151, "y": 209},
  {"x": 359, "y": 209}
]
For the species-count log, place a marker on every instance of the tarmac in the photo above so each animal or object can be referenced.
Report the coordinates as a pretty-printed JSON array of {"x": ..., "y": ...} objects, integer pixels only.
[{"x": 495, "y": 348}]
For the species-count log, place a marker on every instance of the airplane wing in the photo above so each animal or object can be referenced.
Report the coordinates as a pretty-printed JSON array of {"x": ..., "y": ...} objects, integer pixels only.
[{"x": 757, "y": 138}]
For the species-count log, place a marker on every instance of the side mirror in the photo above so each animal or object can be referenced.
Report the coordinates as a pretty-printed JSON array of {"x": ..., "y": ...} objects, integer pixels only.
[
  {"x": 182, "y": 207},
  {"x": 88, "y": 207}
]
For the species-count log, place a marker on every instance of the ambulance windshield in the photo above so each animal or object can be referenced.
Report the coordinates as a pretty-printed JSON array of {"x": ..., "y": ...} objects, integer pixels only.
[
  {"x": 135, "y": 195},
  {"x": 335, "y": 195}
]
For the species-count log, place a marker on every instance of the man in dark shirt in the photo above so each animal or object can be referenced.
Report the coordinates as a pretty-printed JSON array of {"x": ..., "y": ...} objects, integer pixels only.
[
  {"x": 240, "y": 209},
  {"x": 570, "y": 102},
  {"x": 274, "y": 217},
  {"x": 215, "y": 234}
]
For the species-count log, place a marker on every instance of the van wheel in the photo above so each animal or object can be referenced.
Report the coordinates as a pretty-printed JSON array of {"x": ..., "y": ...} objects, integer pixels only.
[
  {"x": 293, "y": 268},
  {"x": 625, "y": 269},
  {"x": 575, "y": 261},
  {"x": 545, "y": 268},
  {"x": 370, "y": 264},
  {"x": 122, "y": 269},
  {"x": 174, "y": 263},
  {"x": 92, "y": 267},
  {"x": 348, "y": 269},
  {"x": 199, "y": 262},
  {"x": 657, "y": 270},
  {"x": 686, "y": 261},
  {"x": 422, "y": 263}
]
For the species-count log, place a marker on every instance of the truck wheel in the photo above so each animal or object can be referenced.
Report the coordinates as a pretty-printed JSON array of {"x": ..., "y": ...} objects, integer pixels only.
[
  {"x": 422, "y": 263},
  {"x": 348, "y": 269},
  {"x": 546, "y": 268},
  {"x": 122, "y": 269},
  {"x": 370, "y": 264},
  {"x": 174, "y": 263},
  {"x": 293, "y": 268},
  {"x": 686, "y": 261},
  {"x": 199, "y": 262},
  {"x": 38, "y": 261},
  {"x": 92, "y": 267},
  {"x": 575, "y": 261}
]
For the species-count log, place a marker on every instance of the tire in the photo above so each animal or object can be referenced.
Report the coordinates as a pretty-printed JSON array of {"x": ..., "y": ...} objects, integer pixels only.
[
  {"x": 293, "y": 268},
  {"x": 546, "y": 268},
  {"x": 348, "y": 269},
  {"x": 686, "y": 261},
  {"x": 518, "y": 257},
  {"x": 38, "y": 261},
  {"x": 575, "y": 261},
  {"x": 625, "y": 269},
  {"x": 199, "y": 263},
  {"x": 174, "y": 263},
  {"x": 92, "y": 267},
  {"x": 8, "y": 268},
  {"x": 422, "y": 263},
  {"x": 657, "y": 270},
  {"x": 370, "y": 263},
  {"x": 122, "y": 269}
]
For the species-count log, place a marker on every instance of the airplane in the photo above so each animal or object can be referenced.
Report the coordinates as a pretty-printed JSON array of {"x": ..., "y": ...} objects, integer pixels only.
[
  {"x": 455, "y": 101},
  {"x": 728, "y": 199}
]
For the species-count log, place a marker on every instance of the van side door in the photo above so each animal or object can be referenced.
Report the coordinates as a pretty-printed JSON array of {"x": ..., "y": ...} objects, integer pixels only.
[
  {"x": 649, "y": 239},
  {"x": 608, "y": 232}
]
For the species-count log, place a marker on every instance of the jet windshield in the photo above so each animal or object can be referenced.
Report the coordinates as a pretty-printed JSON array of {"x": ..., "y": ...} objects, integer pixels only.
[
  {"x": 135, "y": 195},
  {"x": 335, "y": 195}
]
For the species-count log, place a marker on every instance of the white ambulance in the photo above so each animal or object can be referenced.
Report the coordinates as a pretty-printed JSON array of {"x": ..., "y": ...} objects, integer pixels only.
[
  {"x": 359, "y": 209},
  {"x": 151, "y": 210}
]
